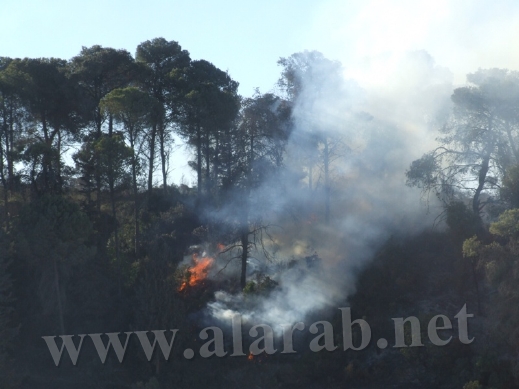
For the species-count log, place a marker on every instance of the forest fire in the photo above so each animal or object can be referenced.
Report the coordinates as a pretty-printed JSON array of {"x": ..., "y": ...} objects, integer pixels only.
[
  {"x": 198, "y": 272},
  {"x": 257, "y": 358}
]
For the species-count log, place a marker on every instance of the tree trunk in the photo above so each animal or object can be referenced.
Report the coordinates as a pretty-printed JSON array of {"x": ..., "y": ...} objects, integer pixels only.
[
  {"x": 481, "y": 183},
  {"x": 476, "y": 284},
  {"x": 97, "y": 171},
  {"x": 244, "y": 254},
  {"x": 135, "y": 196},
  {"x": 199, "y": 160},
  {"x": 110, "y": 125},
  {"x": 114, "y": 215},
  {"x": 45, "y": 158},
  {"x": 151, "y": 159},
  {"x": 245, "y": 217},
  {"x": 326, "y": 160},
  {"x": 163, "y": 157},
  {"x": 512, "y": 143},
  {"x": 59, "y": 179},
  {"x": 207, "y": 155},
  {"x": 136, "y": 208},
  {"x": 9, "y": 140},
  {"x": 111, "y": 185},
  {"x": 4, "y": 182},
  {"x": 216, "y": 162},
  {"x": 4, "y": 153},
  {"x": 58, "y": 295},
  {"x": 9, "y": 148}
]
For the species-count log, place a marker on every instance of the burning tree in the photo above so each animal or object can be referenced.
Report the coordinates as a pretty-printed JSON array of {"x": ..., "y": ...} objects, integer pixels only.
[{"x": 195, "y": 274}]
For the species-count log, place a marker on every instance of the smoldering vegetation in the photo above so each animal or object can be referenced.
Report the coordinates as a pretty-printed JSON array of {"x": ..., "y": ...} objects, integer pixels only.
[{"x": 372, "y": 136}]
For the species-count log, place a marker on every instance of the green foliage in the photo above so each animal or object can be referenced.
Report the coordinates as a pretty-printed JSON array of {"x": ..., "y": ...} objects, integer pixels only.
[
  {"x": 157, "y": 301},
  {"x": 263, "y": 132},
  {"x": 474, "y": 151},
  {"x": 153, "y": 383},
  {"x": 7, "y": 330},
  {"x": 507, "y": 225},
  {"x": 494, "y": 372},
  {"x": 501, "y": 267},
  {"x": 262, "y": 286},
  {"x": 130, "y": 106},
  {"x": 157, "y": 59},
  {"x": 99, "y": 70},
  {"x": 422, "y": 172},
  {"x": 461, "y": 220},
  {"x": 205, "y": 105},
  {"x": 114, "y": 160},
  {"x": 471, "y": 247},
  {"x": 472, "y": 385},
  {"x": 250, "y": 288},
  {"x": 510, "y": 187},
  {"x": 49, "y": 94},
  {"x": 51, "y": 238},
  {"x": 54, "y": 218},
  {"x": 161, "y": 57},
  {"x": 305, "y": 70}
]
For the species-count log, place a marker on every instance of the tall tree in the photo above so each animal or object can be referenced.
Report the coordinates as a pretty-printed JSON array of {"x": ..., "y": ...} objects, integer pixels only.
[
  {"x": 479, "y": 142},
  {"x": 160, "y": 57},
  {"x": 208, "y": 104},
  {"x": 114, "y": 162},
  {"x": 258, "y": 152},
  {"x": 51, "y": 100},
  {"x": 98, "y": 71},
  {"x": 11, "y": 116},
  {"x": 136, "y": 111},
  {"x": 314, "y": 84}
]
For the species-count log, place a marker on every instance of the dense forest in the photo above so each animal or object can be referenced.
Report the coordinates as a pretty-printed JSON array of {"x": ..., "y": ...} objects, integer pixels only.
[{"x": 290, "y": 218}]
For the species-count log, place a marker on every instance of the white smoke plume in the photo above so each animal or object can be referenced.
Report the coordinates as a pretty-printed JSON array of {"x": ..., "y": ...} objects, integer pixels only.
[{"x": 381, "y": 128}]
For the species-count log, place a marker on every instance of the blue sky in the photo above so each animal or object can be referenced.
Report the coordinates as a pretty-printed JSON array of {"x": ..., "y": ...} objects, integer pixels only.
[
  {"x": 245, "y": 38},
  {"x": 248, "y": 37}
]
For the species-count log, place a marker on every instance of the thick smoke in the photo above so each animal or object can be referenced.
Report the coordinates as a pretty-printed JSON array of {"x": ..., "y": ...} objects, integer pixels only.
[{"x": 376, "y": 131}]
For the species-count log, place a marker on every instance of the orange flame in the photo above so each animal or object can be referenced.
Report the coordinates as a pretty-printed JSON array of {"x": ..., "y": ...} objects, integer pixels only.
[
  {"x": 198, "y": 272},
  {"x": 250, "y": 357}
]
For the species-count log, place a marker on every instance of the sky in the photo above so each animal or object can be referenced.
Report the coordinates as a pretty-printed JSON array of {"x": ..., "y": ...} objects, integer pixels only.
[{"x": 246, "y": 38}]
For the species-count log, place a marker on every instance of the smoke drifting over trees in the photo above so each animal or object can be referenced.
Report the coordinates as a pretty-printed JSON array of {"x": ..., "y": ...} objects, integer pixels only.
[{"x": 300, "y": 206}]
